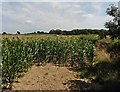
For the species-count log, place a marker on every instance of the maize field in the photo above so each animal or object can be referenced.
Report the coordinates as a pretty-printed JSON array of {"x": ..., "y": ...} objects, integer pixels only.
[{"x": 19, "y": 55}]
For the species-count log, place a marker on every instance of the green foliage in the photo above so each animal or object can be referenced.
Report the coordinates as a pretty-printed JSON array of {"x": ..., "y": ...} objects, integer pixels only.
[
  {"x": 4, "y": 33},
  {"x": 18, "y": 55},
  {"x": 78, "y": 31},
  {"x": 114, "y": 49},
  {"x": 114, "y": 25},
  {"x": 57, "y": 31}
]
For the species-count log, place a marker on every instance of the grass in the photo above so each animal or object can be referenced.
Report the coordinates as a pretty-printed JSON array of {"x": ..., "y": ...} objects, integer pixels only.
[{"x": 52, "y": 36}]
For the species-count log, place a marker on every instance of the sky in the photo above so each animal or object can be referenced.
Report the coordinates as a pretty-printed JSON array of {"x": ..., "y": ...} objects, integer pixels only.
[{"x": 29, "y": 17}]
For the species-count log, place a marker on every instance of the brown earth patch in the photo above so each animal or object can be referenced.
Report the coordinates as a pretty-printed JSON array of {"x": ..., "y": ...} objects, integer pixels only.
[{"x": 48, "y": 77}]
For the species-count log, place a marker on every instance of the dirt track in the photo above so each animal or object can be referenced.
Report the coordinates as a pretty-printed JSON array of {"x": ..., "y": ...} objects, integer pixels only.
[{"x": 48, "y": 77}]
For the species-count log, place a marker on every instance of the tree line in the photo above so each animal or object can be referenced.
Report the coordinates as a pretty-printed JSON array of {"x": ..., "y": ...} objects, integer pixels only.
[
  {"x": 78, "y": 31},
  {"x": 72, "y": 32}
]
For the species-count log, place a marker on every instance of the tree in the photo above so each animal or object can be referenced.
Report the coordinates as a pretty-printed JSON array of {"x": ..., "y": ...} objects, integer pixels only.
[
  {"x": 4, "y": 33},
  {"x": 38, "y": 32},
  {"x": 102, "y": 34},
  {"x": 18, "y": 32},
  {"x": 57, "y": 31},
  {"x": 52, "y": 31},
  {"x": 114, "y": 24}
]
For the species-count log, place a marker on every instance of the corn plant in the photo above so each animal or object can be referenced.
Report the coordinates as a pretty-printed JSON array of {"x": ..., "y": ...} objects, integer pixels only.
[{"x": 19, "y": 55}]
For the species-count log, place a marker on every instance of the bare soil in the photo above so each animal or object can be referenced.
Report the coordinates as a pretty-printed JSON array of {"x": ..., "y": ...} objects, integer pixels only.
[{"x": 48, "y": 77}]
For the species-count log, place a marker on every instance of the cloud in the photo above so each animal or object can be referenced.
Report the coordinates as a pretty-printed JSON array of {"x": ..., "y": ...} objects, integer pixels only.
[
  {"x": 119, "y": 5},
  {"x": 60, "y": 1},
  {"x": 29, "y": 17},
  {"x": 0, "y": 16},
  {"x": 28, "y": 21},
  {"x": 97, "y": 7},
  {"x": 95, "y": 21},
  {"x": 75, "y": 12}
]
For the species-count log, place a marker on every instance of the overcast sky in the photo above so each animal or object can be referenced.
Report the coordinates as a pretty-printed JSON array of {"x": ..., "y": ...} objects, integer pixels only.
[{"x": 33, "y": 16}]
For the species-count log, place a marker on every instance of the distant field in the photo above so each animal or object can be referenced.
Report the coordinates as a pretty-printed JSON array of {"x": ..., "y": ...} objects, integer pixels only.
[
  {"x": 27, "y": 37},
  {"x": 52, "y": 36}
]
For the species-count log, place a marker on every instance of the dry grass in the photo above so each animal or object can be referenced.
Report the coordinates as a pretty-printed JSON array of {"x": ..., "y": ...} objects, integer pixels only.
[{"x": 101, "y": 54}]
